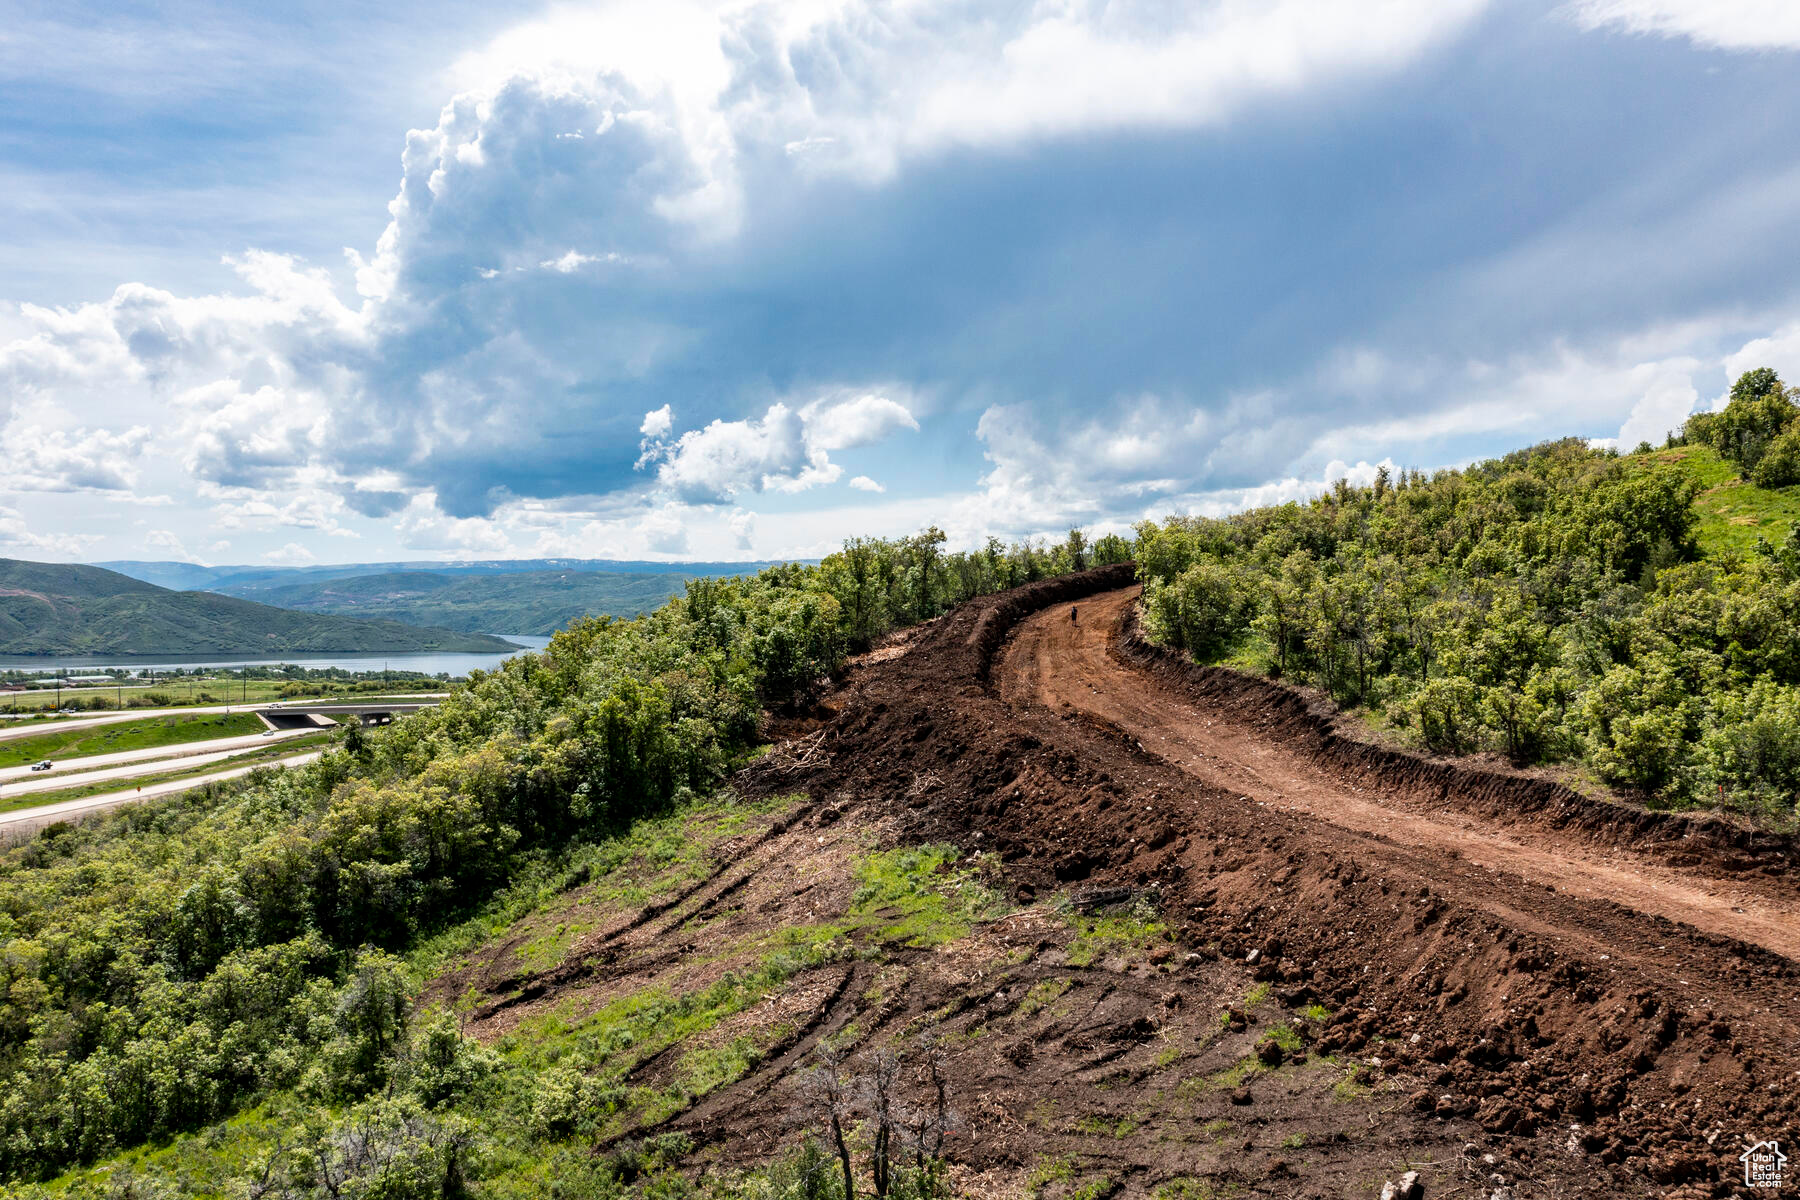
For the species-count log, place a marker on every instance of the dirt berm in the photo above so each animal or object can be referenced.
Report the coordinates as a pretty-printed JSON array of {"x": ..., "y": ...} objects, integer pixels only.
[{"x": 1610, "y": 995}]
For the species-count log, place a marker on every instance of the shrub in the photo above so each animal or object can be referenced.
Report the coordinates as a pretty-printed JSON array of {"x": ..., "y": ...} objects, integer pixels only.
[
  {"x": 1759, "y": 410},
  {"x": 1752, "y": 756},
  {"x": 1780, "y": 465},
  {"x": 1202, "y": 610},
  {"x": 1448, "y": 714}
]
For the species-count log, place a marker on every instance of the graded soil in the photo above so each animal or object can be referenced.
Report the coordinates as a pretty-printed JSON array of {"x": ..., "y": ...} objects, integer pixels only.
[{"x": 1365, "y": 962}]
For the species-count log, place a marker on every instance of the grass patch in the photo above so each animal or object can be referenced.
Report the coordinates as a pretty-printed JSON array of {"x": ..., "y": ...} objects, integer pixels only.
[
  {"x": 1047, "y": 1172},
  {"x": 920, "y": 897},
  {"x": 581, "y": 1067},
  {"x": 1099, "y": 1126},
  {"x": 1733, "y": 511},
  {"x": 1237, "y": 1074},
  {"x": 605, "y": 1047},
  {"x": 1285, "y": 1036},
  {"x": 710, "y": 1069},
  {"x": 1347, "y": 1089},
  {"x": 571, "y": 894},
  {"x": 183, "y": 692},
  {"x": 1042, "y": 995},
  {"x": 1186, "y": 1187},
  {"x": 1129, "y": 935}
]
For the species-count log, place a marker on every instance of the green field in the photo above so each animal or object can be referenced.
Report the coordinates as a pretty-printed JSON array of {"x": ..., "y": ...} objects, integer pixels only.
[
  {"x": 80, "y": 791},
  {"x": 1733, "y": 511},
  {"x": 127, "y": 735}
]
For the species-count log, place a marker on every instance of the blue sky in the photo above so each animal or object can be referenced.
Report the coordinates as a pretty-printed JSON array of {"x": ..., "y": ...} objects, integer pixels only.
[{"x": 742, "y": 279}]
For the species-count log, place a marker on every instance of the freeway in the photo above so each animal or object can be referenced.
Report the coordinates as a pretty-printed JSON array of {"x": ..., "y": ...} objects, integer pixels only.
[
  {"x": 21, "y": 781},
  {"x": 29, "y": 728},
  {"x": 24, "y": 821}
]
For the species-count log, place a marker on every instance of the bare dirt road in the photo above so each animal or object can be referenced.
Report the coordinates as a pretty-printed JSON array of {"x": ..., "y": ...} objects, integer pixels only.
[
  {"x": 1514, "y": 990},
  {"x": 1607, "y": 997},
  {"x": 1070, "y": 666}
]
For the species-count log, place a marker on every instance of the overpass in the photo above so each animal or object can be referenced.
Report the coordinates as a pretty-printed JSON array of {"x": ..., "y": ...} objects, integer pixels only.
[{"x": 298, "y": 714}]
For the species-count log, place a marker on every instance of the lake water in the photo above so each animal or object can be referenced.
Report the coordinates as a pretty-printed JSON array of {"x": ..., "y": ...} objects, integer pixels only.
[{"x": 455, "y": 665}]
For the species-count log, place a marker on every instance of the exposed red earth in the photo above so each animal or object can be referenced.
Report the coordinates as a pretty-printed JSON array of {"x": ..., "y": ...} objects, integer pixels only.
[{"x": 1513, "y": 989}]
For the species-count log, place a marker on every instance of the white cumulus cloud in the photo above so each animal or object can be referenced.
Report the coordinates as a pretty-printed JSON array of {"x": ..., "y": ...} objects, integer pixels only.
[
  {"x": 842, "y": 421},
  {"x": 787, "y": 449},
  {"x": 41, "y": 459},
  {"x": 1721, "y": 24},
  {"x": 291, "y": 555},
  {"x": 17, "y": 537}
]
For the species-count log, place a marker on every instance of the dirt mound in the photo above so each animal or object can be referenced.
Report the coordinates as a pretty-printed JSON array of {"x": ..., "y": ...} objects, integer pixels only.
[{"x": 1612, "y": 1051}]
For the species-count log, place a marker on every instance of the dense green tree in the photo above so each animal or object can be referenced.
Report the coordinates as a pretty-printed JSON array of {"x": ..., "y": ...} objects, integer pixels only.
[
  {"x": 1548, "y": 605},
  {"x": 1758, "y": 411},
  {"x": 165, "y": 966}
]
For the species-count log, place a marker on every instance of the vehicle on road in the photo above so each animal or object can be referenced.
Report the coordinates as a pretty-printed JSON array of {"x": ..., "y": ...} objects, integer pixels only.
[{"x": 43, "y": 766}]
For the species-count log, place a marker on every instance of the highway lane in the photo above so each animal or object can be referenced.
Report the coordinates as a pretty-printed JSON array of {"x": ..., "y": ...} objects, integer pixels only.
[
  {"x": 32, "y": 728},
  {"x": 18, "y": 781},
  {"x": 23, "y": 822}
]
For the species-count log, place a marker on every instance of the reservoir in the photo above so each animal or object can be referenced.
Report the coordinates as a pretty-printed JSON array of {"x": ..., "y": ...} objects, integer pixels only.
[{"x": 431, "y": 663}]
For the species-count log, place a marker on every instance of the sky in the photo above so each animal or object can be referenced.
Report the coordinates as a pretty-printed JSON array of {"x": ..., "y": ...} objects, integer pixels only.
[{"x": 659, "y": 279}]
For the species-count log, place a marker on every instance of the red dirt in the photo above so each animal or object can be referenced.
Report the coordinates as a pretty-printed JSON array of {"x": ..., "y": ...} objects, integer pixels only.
[
  {"x": 1536, "y": 970},
  {"x": 1563, "y": 986},
  {"x": 1241, "y": 734}
]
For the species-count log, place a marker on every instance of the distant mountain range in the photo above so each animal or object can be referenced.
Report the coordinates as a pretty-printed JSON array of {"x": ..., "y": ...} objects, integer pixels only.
[
  {"x": 531, "y": 602},
  {"x": 237, "y": 580},
  {"x": 527, "y": 596},
  {"x": 61, "y": 608}
]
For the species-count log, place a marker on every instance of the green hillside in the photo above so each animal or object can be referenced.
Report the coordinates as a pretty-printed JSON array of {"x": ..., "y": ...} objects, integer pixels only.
[
  {"x": 241, "y": 958},
  {"x": 532, "y": 602},
  {"x": 1636, "y": 617},
  {"x": 53, "y": 608},
  {"x": 1733, "y": 512}
]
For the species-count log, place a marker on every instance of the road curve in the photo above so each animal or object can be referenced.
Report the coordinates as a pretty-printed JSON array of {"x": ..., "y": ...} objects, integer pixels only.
[{"x": 1068, "y": 667}]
